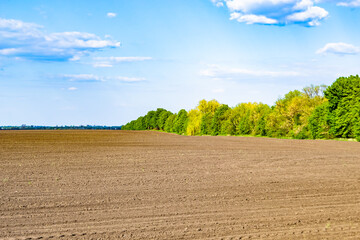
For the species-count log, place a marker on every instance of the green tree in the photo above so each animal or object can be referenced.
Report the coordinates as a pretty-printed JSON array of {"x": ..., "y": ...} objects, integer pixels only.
[
  {"x": 248, "y": 119},
  {"x": 153, "y": 122},
  {"x": 169, "y": 123},
  {"x": 163, "y": 116},
  {"x": 357, "y": 130},
  {"x": 299, "y": 114},
  {"x": 319, "y": 123},
  {"x": 228, "y": 127},
  {"x": 290, "y": 115},
  {"x": 245, "y": 124},
  {"x": 207, "y": 110},
  {"x": 206, "y": 120},
  {"x": 236, "y": 116},
  {"x": 220, "y": 116},
  {"x": 344, "y": 97},
  {"x": 180, "y": 122},
  {"x": 260, "y": 114},
  {"x": 149, "y": 120}
]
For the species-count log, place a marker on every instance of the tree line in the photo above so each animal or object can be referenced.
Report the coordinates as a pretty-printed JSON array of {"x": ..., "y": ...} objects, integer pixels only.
[
  {"x": 72, "y": 127},
  {"x": 315, "y": 112}
]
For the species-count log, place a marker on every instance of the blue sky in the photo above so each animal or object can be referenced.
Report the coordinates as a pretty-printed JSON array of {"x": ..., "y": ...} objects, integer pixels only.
[{"x": 107, "y": 62}]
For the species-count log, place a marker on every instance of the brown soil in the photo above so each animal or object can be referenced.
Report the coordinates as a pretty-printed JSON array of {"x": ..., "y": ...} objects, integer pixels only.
[{"x": 152, "y": 185}]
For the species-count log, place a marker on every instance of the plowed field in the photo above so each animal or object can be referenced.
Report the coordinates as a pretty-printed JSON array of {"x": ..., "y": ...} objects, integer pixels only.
[{"x": 152, "y": 185}]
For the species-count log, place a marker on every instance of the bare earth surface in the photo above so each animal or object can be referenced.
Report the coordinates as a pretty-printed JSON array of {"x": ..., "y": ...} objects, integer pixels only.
[{"x": 152, "y": 185}]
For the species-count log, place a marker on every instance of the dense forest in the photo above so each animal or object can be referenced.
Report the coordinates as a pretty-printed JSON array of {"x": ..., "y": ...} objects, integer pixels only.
[{"x": 315, "y": 112}]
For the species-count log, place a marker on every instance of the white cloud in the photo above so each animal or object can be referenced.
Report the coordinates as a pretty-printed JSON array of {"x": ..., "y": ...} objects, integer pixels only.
[
  {"x": 8, "y": 51},
  {"x": 83, "y": 78},
  {"x": 275, "y": 12},
  {"x": 311, "y": 16},
  {"x": 216, "y": 71},
  {"x": 110, "y": 61},
  {"x": 72, "y": 88},
  {"x": 29, "y": 41},
  {"x": 303, "y": 5},
  {"x": 123, "y": 59},
  {"x": 218, "y": 3},
  {"x": 102, "y": 65},
  {"x": 247, "y": 6},
  {"x": 129, "y": 79},
  {"x": 354, "y": 3},
  {"x": 15, "y": 28},
  {"x": 339, "y": 48},
  {"x": 251, "y": 18},
  {"x": 75, "y": 58},
  {"x": 111, "y": 14},
  {"x": 96, "y": 78}
]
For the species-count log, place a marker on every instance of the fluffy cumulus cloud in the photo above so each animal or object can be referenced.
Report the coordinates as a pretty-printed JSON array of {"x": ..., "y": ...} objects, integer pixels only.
[
  {"x": 216, "y": 71},
  {"x": 96, "y": 78},
  {"x": 110, "y": 61},
  {"x": 30, "y": 41},
  {"x": 275, "y": 12},
  {"x": 339, "y": 48}
]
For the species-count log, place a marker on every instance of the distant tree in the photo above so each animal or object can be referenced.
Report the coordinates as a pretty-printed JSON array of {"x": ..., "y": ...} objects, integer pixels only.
[
  {"x": 208, "y": 107},
  {"x": 205, "y": 126},
  {"x": 290, "y": 115},
  {"x": 128, "y": 126},
  {"x": 220, "y": 116},
  {"x": 245, "y": 124},
  {"x": 180, "y": 122},
  {"x": 163, "y": 116},
  {"x": 149, "y": 120},
  {"x": 241, "y": 118},
  {"x": 344, "y": 107},
  {"x": 194, "y": 122},
  {"x": 153, "y": 122},
  {"x": 357, "y": 129},
  {"x": 314, "y": 112},
  {"x": 314, "y": 91},
  {"x": 259, "y": 116},
  {"x": 231, "y": 125},
  {"x": 319, "y": 122},
  {"x": 140, "y": 123},
  {"x": 207, "y": 110},
  {"x": 169, "y": 123},
  {"x": 228, "y": 127},
  {"x": 260, "y": 128}
]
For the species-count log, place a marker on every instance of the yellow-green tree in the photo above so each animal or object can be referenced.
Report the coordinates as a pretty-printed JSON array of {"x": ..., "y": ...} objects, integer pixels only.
[
  {"x": 194, "y": 122},
  {"x": 248, "y": 119},
  {"x": 200, "y": 118},
  {"x": 290, "y": 115},
  {"x": 208, "y": 106}
]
